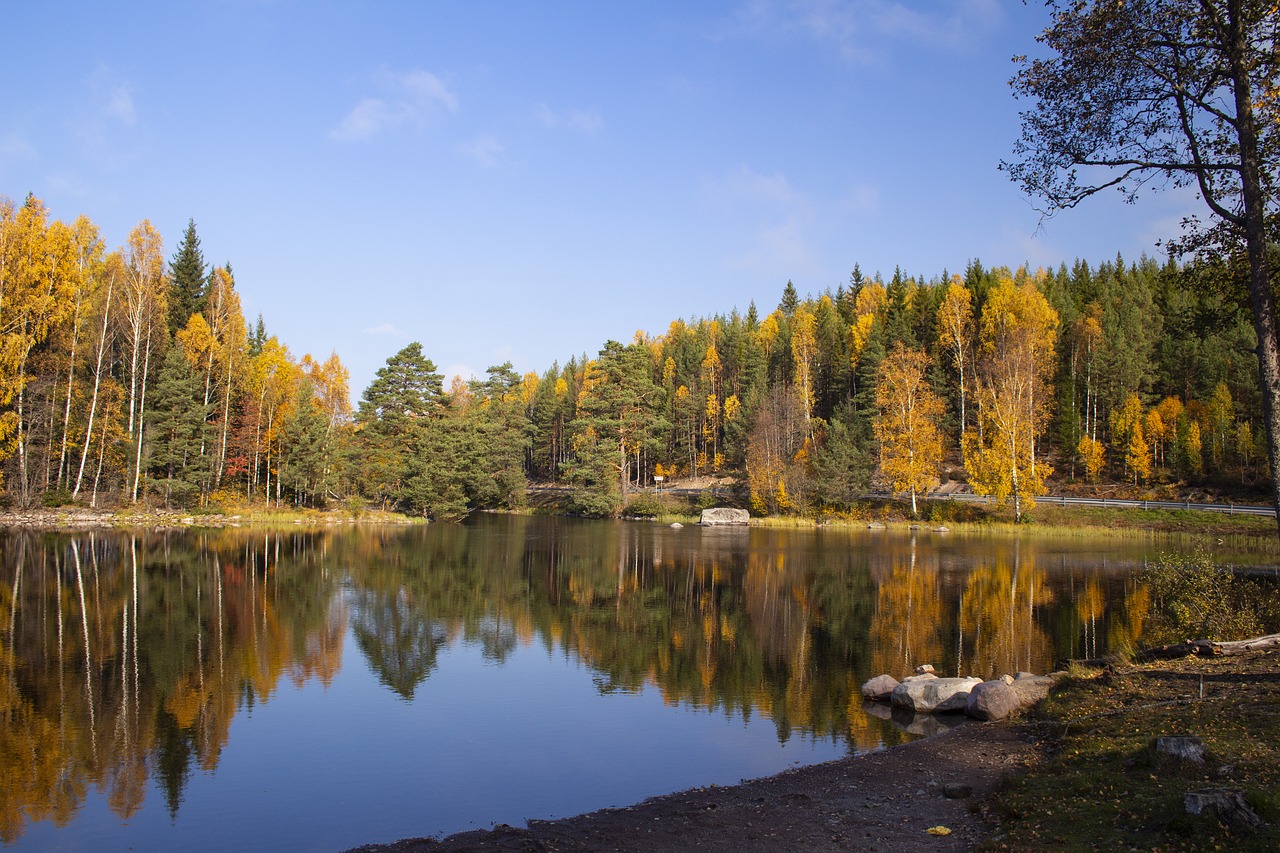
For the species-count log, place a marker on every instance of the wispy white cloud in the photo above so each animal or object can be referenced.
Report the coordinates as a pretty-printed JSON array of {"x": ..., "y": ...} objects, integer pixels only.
[
  {"x": 14, "y": 148},
  {"x": 426, "y": 87},
  {"x": 864, "y": 29},
  {"x": 107, "y": 117},
  {"x": 111, "y": 97},
  {"x": 770, "y": 221},
  {"x": 67, "y": 184},
  {"x": 118, "y": 105},
  {"x": 749, "y": 185},
  {"x": 387, "y": 329},
  {"x": 483, "y": 149},
  {"x": 781, "y": 248},
  {"x": 407, "y": 98},
  {"x": 861, "y": 200},
  {"x": 587, "y": 122}
]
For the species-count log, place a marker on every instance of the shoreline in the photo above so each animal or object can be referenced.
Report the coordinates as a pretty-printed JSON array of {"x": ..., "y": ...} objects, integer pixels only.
[
  {"x": 1083, "y": 769},
  {"x": 1061, "y": 522},
  {"x": 884, "y": 799},
  {"x": 79, "y": 518}
]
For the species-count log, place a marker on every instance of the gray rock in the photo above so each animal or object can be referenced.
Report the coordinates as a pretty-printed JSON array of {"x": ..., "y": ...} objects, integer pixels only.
[
  {"x": 722, "y": 515},
  {"x": 675, "y": 525},
  {"x": 875, "y": 525},
  {"x": 1031, "y": 688},
  {"x": 1007, "y": 679},
  {"x": 992, "y": 700},
  {"x": 880, "y": 688},
  {"x": 877, "y": 710},
  {"x": 925, "y": 725},
  {"x": 1227, "y": 805},
  {"x": 933, "y": 695},
  {"x": 956, "y": 791},
  {"x": 925, "y": 668},
  {"x": 1182, "y": 748}
]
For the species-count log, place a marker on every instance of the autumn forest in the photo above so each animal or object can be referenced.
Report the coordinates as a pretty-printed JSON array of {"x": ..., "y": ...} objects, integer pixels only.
[{"x": 131, "y": 376}]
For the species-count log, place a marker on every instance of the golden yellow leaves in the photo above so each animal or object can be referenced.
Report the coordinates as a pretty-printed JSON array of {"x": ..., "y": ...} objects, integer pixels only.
[
  {"x": 1093, "y": 455},
  {"x": 907, "y": 428},
  {"x": 1017, "y": 341},
  {"x": 859, "y": 334}
]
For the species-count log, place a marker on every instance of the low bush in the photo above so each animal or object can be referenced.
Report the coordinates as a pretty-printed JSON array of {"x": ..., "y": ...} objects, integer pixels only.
[
  {"x": 56, "y": 498},
  {"x": 647, "y": 505},
  {"x": 1193, "y": 598}
]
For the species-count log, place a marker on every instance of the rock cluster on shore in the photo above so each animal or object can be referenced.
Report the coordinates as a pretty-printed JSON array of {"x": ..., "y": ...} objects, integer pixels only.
[{"x": 927, "y": 693}]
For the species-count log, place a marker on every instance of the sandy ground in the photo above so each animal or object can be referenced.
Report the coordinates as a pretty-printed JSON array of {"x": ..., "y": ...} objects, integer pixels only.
[{"x": 885, "y": 800}]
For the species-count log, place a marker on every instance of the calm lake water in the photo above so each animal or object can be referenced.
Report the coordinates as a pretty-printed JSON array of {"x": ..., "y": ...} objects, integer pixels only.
[{"x": 320, "y": 690}]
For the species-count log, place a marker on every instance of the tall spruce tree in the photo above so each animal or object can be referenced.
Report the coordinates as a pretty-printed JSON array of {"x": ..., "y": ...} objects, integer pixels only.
[
  {"x": 790, "y": 300},
  {"x": 174, "y": 464},
  {"x": 189, "y": 283}
]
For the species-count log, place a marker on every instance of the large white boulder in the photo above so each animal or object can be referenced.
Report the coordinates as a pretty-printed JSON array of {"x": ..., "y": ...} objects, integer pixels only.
[
  {"x": 933, "y": 695},
  {"x": 880, "y": 688},
  {"x": 722, "y": 515},
  {"x": 1032, "y": 688},
  {"x": 992, "y": 700}
]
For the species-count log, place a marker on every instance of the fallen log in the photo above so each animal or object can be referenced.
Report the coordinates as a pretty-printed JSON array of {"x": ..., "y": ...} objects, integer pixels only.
[
  {"x": 1209, "y": 648},
  {"x": 1238, "y": 647}
]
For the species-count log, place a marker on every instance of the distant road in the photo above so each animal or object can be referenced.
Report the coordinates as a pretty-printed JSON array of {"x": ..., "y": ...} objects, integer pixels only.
[
  {"x": 967, "y": 497},
  {"x": 1062, "y": 500}
]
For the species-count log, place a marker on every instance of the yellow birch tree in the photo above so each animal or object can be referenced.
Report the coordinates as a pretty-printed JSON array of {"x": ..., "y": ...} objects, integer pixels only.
[
  {"x": 955, "y": 333},
  {"x": 907, "y": 428},
  {"x": 1017, "y": 336},
  {"x": 804, "y": 355}
]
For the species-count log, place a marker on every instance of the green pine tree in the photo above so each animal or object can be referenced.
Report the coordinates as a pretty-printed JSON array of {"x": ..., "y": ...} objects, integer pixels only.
[
  {"x": 189, "y": 284},
  {"x": 392, "y": 424},
  {"x": 175, "y": 468}
]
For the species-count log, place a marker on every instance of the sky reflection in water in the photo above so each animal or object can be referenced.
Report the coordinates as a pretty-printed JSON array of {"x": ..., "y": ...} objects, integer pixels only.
[{"x": 315, "y": 691}]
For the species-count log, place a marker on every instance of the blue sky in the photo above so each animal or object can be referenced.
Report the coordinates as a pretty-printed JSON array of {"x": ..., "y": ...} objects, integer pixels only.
[{"x": 522, "y": 181}]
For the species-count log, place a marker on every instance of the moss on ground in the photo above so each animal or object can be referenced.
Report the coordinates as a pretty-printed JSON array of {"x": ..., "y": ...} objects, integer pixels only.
[{"x": 1103, "y": 786}]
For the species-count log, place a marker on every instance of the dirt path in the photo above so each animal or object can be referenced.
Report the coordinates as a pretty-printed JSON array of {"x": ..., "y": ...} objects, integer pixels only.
[{"x": 885, "y": 800}]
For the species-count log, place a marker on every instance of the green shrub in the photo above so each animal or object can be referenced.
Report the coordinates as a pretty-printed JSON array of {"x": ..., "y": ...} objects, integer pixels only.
[
  {"x": 592, "y": 503},
  {"x": 56, "y": 498},
  {"x": 646, "y": 505},
  {"x": 706, "y": 499},
  {"x": 1192, "y": 598}
]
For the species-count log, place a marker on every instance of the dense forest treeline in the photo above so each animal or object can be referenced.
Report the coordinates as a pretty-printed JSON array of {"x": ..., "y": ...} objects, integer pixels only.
[{"x": 125, "y": 378}]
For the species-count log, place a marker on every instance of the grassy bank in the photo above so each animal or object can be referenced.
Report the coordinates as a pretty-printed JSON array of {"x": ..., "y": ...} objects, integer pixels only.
[
  {"x": 1103, "y": 786},
  {"x": 1090, "y": 520},
  {"x": 72, "y": 518}
]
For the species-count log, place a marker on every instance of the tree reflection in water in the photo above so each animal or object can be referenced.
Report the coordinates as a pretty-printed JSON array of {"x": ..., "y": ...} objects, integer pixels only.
[{"x": 125, "y": 658}]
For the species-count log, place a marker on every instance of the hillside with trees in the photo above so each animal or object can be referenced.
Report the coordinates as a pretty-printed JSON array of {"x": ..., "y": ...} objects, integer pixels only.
[{"x": 128, "y": 377}]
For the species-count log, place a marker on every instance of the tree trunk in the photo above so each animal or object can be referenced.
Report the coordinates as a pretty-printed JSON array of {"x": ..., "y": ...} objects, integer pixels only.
[
  {"x": 23, "y": 484},
  {"x": 66, "y": 415},
  {"x": 97, "y": 382},
  {"x": 1260, "y": 296},
  {"x": 142, "y": 407}
]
